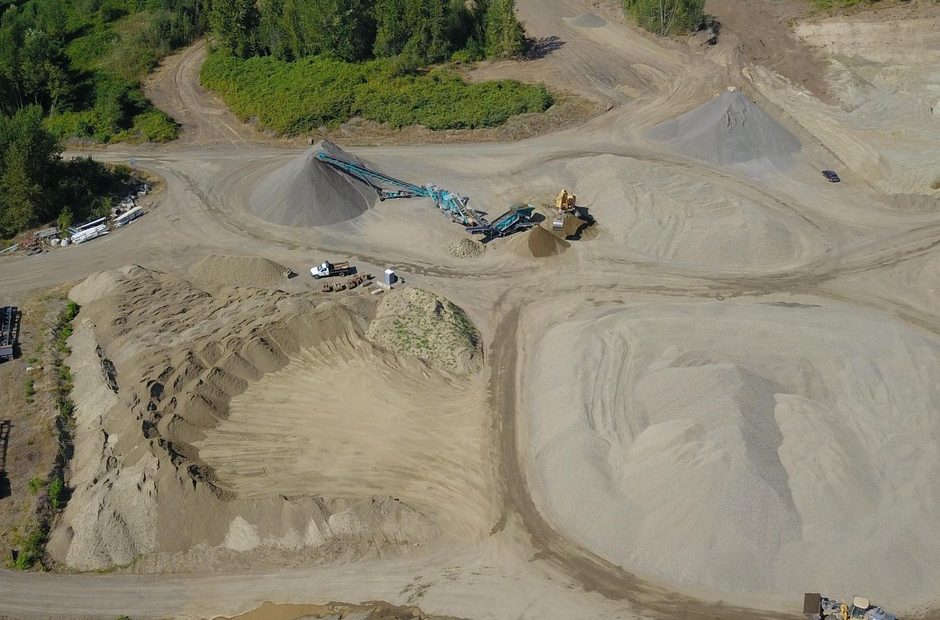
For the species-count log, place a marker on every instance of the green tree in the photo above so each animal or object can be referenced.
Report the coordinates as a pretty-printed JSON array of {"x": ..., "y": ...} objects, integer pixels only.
[
  {"x": 64, "y": 221},
  {"x": 344, "y": 29},
  {"x": 505, "y": 36},
  {"x": 391, "y": 31},
  {"x": 11, "y": 42},
  {"x": 665, "y": 17},
  {"x": 234, "y": 23},
  {"x": 29, "y": 158}
]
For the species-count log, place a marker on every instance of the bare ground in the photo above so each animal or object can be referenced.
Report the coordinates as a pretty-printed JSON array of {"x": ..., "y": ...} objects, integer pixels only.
[{"x": 857, "y": 244}]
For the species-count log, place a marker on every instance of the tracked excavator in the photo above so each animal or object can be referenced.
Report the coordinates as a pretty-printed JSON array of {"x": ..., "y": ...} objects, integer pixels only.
[{"x": 565, "y": 206}]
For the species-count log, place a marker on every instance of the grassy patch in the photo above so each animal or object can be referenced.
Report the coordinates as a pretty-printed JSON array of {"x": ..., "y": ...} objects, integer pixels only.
[
  {"x": 31, "y": 545},
  {"x": 295, "y": 97},
  {"x": 35, "y": 484}
]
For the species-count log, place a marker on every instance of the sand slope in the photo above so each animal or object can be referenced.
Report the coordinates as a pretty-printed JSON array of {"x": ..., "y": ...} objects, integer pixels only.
[
  {"x": 143, "y": 490},
  {"x": 308, "y": 192},
  {"x": 714, "y": 445},
  {"x": 730, "y": 129}
]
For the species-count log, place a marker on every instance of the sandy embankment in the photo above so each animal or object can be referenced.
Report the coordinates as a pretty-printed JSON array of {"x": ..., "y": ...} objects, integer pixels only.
[
  {"x": 744, "y": 447},
  {"x": 179, "y": 457}
]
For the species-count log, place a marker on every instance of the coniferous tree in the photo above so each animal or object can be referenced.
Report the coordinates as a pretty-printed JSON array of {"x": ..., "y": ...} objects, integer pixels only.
[
  {"x": 505, "y": 36},
  {"x": 234, "y": 23},
  {"x": 666, "y": 17},
  {"x": 391, "y": 30}
]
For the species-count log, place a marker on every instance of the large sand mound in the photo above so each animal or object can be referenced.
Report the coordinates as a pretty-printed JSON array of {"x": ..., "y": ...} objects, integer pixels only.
[
  {"x": 730, "y": 129},
  {"x": 308, "y": 192},
  {"x": 239, "y": 271},
  {"x": 718, "y": 445},
  {"x": 536, "y": 243},
  {"x": 143, "y": 490}
]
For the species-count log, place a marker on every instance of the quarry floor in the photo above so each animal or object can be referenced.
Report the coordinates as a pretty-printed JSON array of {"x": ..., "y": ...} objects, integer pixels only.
[{"x": 867, "y": 247}]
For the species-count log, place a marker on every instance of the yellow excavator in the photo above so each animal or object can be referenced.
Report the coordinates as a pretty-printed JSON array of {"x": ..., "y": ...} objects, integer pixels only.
[{"x": 565, "y": 205}]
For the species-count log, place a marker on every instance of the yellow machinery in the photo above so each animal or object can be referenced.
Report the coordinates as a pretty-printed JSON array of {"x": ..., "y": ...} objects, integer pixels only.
[{"x": 565, "y": 204}]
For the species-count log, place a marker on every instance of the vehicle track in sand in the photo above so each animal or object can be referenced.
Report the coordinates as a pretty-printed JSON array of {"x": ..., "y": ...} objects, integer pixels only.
[{"x": 208, "y": 175}]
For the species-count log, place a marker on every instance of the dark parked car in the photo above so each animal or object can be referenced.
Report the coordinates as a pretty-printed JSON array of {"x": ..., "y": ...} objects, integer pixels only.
[{"x": 831, "y": 176}]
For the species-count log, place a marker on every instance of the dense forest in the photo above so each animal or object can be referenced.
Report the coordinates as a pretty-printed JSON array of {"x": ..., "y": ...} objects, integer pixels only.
[
  {"x": 81, "y": 61},
  {"x": 419, "y": 31}
]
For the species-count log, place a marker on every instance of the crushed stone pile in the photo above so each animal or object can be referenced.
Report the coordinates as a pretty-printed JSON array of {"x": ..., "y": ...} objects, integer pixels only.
[
  {"x": 419, "y": 323},
  {"x": 239, "y": 271},
  {"x": 537, "y": 243},
  {"x": 730, "y": 129},
  {"x": 307, "y": 192},
  {"x": 467, "y": 248}
]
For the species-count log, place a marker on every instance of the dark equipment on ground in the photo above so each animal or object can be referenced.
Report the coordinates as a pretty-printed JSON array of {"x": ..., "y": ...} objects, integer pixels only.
[
  {"x": 818, "y": 607},
  {"x": 831, "y": 176},
  {"x": 9, "y": 331}
]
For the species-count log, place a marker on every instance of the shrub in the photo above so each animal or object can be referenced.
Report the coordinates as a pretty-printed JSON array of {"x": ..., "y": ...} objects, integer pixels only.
[
  {"x": 295, "y": 97},
  {"x": 56, "y": 493},
  {"x": 35, "y": 484},
  {"x": 31, "y": 549}
]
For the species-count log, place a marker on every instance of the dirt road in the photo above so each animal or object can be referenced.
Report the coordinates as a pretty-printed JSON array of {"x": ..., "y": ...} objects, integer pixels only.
[{"x": 850, "y": 244}]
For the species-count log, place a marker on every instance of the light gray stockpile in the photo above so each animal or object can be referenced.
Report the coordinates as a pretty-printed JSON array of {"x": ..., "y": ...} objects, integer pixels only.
[
  {"x": 307, "y": 192},
  {"x": 730, "y": 129}
]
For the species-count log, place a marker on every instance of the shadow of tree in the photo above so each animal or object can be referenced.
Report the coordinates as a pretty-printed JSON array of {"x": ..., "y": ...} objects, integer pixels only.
[{"x": 540, "y": 47}]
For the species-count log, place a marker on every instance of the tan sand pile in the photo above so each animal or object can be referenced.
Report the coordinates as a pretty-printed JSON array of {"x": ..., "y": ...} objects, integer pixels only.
[
  {"x": 467, "y": 248},
  {"x": 142, "y": 490},
  {"x": 308, "y": 192},
  {"x": 102, "y": 283},
  {"x": 730, "y": 129},
  {"x": 537, "y": 243},
  {"x": 419, "y": 323},
  {"x": 239, "y": 271},
  {"x": 665, "y": 213},
  {"x": 715, "y": 445}
]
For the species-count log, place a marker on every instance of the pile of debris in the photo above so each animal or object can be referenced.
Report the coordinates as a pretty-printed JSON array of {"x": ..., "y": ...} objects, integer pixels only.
[{"x": 362, "y": 279}]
